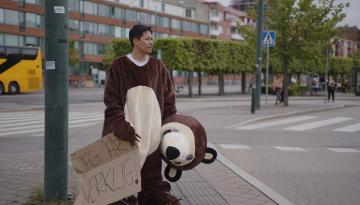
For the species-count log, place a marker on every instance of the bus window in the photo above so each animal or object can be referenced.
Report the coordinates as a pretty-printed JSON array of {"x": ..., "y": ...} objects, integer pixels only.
[
  {"x": 2, "y": 52},
  {"x": 12, "y": 51},
  {"x": 29, "y": 53}
]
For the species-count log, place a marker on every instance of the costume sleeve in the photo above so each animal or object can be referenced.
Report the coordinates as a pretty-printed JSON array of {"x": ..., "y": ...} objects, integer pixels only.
[
  {"x": 114, "y": 112},
  {"x": 169, "y": 95}
]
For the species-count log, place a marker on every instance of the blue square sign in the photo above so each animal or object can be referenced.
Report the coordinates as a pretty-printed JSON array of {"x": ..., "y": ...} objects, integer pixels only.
[{"x": 268, "y": 38}]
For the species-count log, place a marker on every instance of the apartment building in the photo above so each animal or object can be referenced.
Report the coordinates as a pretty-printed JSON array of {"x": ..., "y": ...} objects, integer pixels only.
[
  {"x": 223, "y": 21},
  {"x": 94, "y": 23},
  {"x": 346, "y": 42}
]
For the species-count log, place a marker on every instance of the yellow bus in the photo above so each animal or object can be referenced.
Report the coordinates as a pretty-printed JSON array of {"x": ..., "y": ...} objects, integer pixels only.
[{"x": 20, "y": 69}]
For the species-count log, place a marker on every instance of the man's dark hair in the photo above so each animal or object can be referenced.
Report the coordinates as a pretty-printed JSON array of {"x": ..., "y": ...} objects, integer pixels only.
[{"x": 137, "y": 31}]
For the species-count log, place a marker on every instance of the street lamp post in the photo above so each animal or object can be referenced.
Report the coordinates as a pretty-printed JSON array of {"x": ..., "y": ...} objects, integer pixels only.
[{"x": 260, "y": 17}]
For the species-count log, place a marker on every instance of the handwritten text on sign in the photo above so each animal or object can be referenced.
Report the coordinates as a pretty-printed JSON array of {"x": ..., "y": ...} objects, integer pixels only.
[{"x": 108, "y": 171}]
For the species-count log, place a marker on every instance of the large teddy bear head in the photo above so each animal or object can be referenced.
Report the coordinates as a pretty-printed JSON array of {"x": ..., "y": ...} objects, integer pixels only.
[{"x": 184, "y": 145}]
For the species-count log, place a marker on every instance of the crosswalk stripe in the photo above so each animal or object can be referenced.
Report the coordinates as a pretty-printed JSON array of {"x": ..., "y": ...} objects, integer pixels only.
[
  {"x": 41, "y": 121},
  {"x": 20, "y": 119},
  {"x": 350, "y": 128},
  {"x": 41, "y": 130},
  {"x": 235, "y": 146},
  {"x": 40, "y": 115},
  {"x": 42, "y": 124},
  {"x": 321, "y": 123},
  {"x": 275, "y": 123},
  {"x": 343, "y": 150},
  {"x": 23, "y": 120},
  {"x": 290, "y": 149}
]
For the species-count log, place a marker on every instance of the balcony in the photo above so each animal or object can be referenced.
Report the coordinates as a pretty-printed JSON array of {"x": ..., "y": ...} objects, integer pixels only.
[
  {"x": 215, "y": 19},
  {"x": 214, "y": 32},
  {"x": 236, "y": 36}
]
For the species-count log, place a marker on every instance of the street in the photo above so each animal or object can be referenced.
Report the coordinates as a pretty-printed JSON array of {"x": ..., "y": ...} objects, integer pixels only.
[{"x": 309, "y": 153}]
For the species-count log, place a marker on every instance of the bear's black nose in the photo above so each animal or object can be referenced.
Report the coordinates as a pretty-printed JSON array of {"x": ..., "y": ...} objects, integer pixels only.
[{"x": 172, "y": 152}]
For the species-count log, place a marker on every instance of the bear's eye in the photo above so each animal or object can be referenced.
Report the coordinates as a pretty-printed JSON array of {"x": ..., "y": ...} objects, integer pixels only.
[{"x": 189, "y": 157}]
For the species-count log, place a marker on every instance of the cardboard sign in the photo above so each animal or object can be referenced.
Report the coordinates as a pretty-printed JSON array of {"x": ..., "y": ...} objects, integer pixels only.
[{"x": 108, "y": 170}]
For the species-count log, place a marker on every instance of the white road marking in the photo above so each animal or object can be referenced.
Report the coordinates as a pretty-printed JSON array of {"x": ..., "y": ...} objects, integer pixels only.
[
  {"x": 322, "y": 123},
  {"x": 350, "y": 128},
  {"x": 24, "y": 123},
  {"x": 290, "y": 149},
  {"x": 344, "y": 150},
  {"x": 235, "y": 146},
  {"x": 275, "y": 123}
]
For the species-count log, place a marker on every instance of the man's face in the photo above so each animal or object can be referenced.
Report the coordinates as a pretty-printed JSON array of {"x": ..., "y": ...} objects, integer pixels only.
[{"x": 145, "y": 43}]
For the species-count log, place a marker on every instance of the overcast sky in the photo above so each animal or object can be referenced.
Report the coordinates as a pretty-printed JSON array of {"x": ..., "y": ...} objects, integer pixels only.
[{"x": 352, "y": 13}]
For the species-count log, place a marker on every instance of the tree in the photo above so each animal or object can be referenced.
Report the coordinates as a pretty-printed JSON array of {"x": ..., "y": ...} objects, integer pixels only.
[
  {"x": 74, "y": 56},
  {"x": 356, "y": 59},
  {"x": 301, "y": 24}
]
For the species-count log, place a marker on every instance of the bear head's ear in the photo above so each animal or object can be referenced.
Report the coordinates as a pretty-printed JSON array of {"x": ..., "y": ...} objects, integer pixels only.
[
  {"x": 210, "y": 155},
  {"x": 172, "y": 174}
]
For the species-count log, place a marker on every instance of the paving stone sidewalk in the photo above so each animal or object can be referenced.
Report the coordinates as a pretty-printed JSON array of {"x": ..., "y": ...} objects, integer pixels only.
[{"x": 213, "y": 184}]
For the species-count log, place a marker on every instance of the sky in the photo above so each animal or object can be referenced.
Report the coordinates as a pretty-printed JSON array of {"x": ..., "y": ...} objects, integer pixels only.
[{"x": 352, "y": 12}]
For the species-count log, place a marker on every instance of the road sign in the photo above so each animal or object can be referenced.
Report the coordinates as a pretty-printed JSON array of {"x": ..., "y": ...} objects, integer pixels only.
[{"x": 268, "y": 38}]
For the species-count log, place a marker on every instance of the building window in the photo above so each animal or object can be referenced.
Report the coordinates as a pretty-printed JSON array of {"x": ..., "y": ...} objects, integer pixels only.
[
  {"x": 90, "y": 8},
  {"x": 131, "y": 15},
  {"x": 31, "y": 41},
  {"x": 104, "y": 30},
  {"x": 145, "y": 18},
  {"x": 175, "y": 24},
  {"x": 104, "y": 10},
  {"x": 13, "y": 40},
  {"x": 141, "y": 3},
  {"x": 39, "y": 2},
  {"x": 2, "y": 39},
  {"x": 117, "y": 32},
  {"x": 74, "y": 5},
  {"x": 33, "y": 20},
  {"x": 188, "y": 13},
  {"x": 2, "y": 19},
  {"x": 74, "y": 25},
  {"x": 118, "y": 13},
  {"x": 203, "y": 29},
  {"x": 11, "y": 17}
]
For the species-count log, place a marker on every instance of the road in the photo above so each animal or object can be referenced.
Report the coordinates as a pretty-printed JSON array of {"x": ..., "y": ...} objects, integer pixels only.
[{"x": 311, "y": 158}]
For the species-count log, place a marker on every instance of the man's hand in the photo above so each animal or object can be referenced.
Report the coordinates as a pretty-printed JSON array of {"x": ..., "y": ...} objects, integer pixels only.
[{"x": 126, "y": 132}]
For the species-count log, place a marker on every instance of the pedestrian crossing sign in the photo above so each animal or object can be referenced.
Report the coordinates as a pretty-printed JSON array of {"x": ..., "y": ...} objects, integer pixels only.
[{"x": 268, "y": 38}]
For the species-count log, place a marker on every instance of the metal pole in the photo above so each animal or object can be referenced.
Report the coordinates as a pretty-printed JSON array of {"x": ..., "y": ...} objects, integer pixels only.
[
  {"x": 267, "y": 74},
  {"x": 56, "y": 100},
  {"x": 260, "y": 17}
]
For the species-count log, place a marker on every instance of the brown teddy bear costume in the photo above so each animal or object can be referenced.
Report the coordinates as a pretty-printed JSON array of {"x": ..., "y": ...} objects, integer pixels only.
[
  {"x": 138, "y": 99},
  {"x": 184, "y": 145}
]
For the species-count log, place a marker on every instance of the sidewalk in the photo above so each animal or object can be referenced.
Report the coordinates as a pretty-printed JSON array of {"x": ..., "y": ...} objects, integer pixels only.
[{"x": 214, "y": 184}]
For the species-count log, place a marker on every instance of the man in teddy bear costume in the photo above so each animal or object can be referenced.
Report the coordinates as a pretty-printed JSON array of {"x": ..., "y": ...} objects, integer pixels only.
[{"x": 139, "y": 96}]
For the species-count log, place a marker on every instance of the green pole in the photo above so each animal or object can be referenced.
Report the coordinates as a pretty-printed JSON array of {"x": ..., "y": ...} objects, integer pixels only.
[
  {"x": 260, "y": 17},
  {"x": 56, "y": 100}
]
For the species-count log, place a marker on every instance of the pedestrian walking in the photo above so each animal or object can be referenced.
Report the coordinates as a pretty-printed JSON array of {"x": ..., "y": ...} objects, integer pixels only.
[
  {"x": 277, "y": 88},
  {"x": 139, "y": 96},
  {"x": 331, "y": 87}
]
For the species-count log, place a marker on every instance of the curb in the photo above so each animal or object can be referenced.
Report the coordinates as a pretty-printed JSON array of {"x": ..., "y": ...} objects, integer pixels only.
[{"x": 260, "y": 186}]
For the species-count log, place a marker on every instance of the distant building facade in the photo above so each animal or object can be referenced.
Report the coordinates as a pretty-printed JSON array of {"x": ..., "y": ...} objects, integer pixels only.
[
  {"x": 94, "y": 23},
  {"x": 346, "y": 42}
]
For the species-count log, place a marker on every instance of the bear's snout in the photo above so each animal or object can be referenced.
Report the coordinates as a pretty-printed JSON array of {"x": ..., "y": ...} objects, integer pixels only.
[{"x": 172, "y": 153}]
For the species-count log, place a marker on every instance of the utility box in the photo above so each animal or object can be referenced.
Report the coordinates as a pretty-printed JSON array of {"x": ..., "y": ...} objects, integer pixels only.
[{"x": 357, "y": 81}]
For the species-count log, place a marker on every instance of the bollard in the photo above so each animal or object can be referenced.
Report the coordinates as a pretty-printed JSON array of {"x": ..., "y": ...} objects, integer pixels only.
[{"x": 253, "y": 94}]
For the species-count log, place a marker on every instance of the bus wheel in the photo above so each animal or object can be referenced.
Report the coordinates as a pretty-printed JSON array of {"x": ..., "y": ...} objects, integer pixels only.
[
  {"x": 1, "y": 89},
  {"x": 14, "y": 88}
]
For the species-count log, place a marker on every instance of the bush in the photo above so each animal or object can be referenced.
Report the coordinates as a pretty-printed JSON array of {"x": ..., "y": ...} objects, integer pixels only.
[
  {"x": 294, "y": 90},
  {"x": 297, "y": 90}
]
